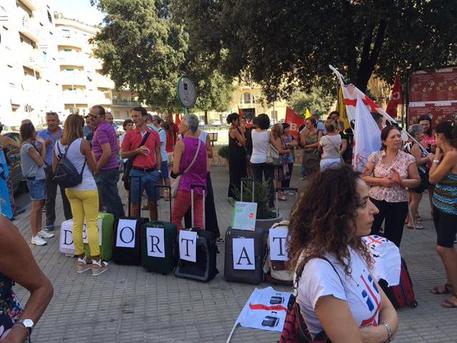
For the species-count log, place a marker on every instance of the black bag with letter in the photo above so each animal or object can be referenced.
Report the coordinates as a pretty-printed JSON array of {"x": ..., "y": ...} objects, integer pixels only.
[
  {"x": 127, "y": 237},
  {"x": 204, "y": 269}
]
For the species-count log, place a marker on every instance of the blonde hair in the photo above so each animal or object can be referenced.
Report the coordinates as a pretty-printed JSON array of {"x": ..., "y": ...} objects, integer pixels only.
[
  {"x": 72, "y": 129},
  {"x": 276, "y": 130}
]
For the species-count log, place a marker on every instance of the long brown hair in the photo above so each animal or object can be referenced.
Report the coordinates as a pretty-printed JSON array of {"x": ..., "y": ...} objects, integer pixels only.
[
  {"x": 323, "y": 219},
  {"x": 72, "y": 129}
]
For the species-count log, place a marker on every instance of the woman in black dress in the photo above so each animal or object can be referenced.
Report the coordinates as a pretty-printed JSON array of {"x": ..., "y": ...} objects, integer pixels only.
[{"x": 237, "y": 154}]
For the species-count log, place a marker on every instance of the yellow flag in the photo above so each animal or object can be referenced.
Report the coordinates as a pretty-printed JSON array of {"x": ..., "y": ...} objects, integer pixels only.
[
  {"x": 341, "y": 108},
  {"x": 307, "y": 114}
]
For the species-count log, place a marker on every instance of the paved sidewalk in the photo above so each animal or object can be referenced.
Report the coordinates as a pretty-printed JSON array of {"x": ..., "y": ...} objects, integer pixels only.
[{"x": 127, "y": 304}]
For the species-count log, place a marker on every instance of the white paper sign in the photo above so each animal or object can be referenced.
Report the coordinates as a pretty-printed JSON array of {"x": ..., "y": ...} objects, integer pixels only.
[
  {"x": 243, "y": 254},
  {"x": 66, "y": 237},
  {"x": 265, "y": 309},
  {"x": 278, "y": 244},
  {"x": 155, "y": 241},
  {"x": 244, "y": 215},
  {"x": 125, "y": 237},
  {"x": 188, "y": 245}
]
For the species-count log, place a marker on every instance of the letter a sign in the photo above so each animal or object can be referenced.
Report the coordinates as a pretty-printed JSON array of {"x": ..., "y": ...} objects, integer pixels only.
[
  {"x": 243, "y": 254},
  {"x": 155, "y": 242},
  {"x": 125, "y": 237}
]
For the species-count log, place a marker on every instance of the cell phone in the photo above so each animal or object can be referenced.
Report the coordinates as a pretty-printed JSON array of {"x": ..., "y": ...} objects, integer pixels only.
[{"x": 270, "y": 321}]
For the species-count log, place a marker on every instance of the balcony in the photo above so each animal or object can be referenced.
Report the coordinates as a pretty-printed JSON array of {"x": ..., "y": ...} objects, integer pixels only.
[
  {"x": 126, "y": 103},
  {"x": 70, "y": 39},
  {"x": 73, "y": 78},
  {"x": 103, "y": 82},
  {"x": 31, "y": 58},
  {"x": 74, "y": 97},
  {"x": 29, "y": 28},
  {"x": 99, "y": 99},
  {"x": 71, "y": 58}
]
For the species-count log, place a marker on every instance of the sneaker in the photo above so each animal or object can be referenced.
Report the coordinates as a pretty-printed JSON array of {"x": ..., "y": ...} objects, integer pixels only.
[
  {"x": 98, "y": 267},
  {"x": 82, "y": 265},
  {"x": 37, "y": 240},
  {"x": 45, "y": 234}
]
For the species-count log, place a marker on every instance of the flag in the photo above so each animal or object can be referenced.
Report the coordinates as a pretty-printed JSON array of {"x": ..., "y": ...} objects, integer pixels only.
[
  {"x": 341, "y": 108},
  {"x": 307, "y": 114},
  {"x": 367, "y": 135},
  {"x": 294, "y": 120},
  {"x": 240, "y": 113},
  {"x": 396, "y": 98},
  {"x": 177, "y": 119}
]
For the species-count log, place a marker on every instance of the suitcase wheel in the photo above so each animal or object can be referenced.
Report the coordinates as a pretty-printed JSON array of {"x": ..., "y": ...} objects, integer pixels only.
[{"x": 414, "y": 304}]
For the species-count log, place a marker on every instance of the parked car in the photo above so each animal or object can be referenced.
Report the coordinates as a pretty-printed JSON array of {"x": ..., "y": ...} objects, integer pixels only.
[{"x": 13, "y": 158}]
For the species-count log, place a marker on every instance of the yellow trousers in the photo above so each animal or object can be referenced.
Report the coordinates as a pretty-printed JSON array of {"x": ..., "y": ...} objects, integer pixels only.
[{"x": 84, "y": 207}]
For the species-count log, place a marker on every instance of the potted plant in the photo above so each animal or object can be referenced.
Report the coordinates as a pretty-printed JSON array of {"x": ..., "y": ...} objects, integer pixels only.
[{"x": 266, "y": 216}]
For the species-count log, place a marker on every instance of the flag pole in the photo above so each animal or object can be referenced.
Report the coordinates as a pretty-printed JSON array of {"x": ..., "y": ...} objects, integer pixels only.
[{"x": 229, "y": 338}]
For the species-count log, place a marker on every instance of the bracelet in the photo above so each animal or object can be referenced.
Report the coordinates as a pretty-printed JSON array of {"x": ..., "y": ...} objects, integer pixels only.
[{"x": 389, "y": 331}]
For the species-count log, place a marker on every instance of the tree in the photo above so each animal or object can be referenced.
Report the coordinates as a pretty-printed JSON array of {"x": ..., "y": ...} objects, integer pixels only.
[
  {"x": 316, "y": 101},
  {"x": 288, "y": 44},
  {"x": 145, "y": 51}
]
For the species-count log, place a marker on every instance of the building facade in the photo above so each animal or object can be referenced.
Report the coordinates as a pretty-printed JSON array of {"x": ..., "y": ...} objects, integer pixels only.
[{"x": 46, "y": 64}]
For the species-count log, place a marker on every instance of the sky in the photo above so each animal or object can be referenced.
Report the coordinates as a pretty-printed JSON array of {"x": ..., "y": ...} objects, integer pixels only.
[{"x": 79, "y": 9}]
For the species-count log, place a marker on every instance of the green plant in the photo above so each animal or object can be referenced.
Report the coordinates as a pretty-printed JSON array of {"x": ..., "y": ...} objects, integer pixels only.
[
  {"x": 224, "y": 152},
  {"x": 261, "y": 197}
]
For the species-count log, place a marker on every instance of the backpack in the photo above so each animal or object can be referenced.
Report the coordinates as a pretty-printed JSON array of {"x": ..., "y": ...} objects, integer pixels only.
[{"x": 66, "y": 175}]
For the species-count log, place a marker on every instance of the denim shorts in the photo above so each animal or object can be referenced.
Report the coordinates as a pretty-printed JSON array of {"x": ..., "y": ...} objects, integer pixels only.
[
  {"x": 37, "y": 189},
  {"x": 164, "y": 170},
  {"x": 149, "y": 181}
]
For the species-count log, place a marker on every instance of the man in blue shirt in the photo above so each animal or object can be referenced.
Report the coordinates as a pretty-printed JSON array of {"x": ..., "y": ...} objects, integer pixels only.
[{"x": 50, "y": 136}]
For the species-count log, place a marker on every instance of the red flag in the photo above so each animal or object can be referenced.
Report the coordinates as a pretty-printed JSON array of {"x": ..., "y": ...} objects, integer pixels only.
[
  {"x": 240, "y": 113},
  {"x": 177, "y": 119},
  {"x": 396, "y": 98},
  {"x": 294, "y": 120}
]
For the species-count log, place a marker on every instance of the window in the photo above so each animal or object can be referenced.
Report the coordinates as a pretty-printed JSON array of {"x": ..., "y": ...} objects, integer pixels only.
[{"x": 247, "y": 98}]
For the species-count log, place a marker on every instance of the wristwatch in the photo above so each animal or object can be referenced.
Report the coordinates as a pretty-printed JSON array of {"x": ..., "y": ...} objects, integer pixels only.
[{"x": 27, "y": 323}]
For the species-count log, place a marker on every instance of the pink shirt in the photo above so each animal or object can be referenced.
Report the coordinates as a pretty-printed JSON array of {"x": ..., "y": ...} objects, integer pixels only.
[{"x": 396, "y": 193}]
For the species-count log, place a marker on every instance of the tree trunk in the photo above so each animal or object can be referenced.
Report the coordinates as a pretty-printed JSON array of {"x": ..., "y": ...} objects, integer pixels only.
[{"x": 206, "y": 117}]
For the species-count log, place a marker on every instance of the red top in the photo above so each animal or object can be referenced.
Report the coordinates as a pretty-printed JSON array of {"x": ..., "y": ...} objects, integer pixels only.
[
  {"x": 172, "y": 134},
  {"x": 132, "y": 141}
]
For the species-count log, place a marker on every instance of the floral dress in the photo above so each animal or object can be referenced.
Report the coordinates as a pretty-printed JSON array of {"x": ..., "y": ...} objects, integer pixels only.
[{"x": 10, "y": 309}]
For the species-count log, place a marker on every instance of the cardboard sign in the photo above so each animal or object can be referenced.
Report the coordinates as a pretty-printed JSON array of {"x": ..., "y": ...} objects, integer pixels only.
[
  {"x": 155, "y": 241},
  {"x": 125, "y": 237},
  {"x": 243, "y": 254},
  {"x": 244, "y": 215},
  {"x": 278, "y": 244},
  {"x": 188, "y": 245}
]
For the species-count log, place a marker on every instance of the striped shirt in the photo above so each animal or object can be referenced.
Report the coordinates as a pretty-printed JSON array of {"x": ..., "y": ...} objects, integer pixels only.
[{"x": 445, "y": 194}]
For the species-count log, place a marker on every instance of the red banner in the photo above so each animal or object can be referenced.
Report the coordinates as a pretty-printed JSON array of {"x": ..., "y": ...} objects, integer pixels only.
[
  {"x": 294, "y": 120},
  {"x": 396, "y": 98}
]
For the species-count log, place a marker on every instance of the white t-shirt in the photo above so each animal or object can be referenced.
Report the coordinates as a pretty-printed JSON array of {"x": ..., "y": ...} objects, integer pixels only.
[
  {"x": 77, "y": 159},
  {"x": 260, "y": 145},
  {"x": 359, "y": 290},
  {"x": 163, "y": 142},
  {"x": 330, "y": 146}
]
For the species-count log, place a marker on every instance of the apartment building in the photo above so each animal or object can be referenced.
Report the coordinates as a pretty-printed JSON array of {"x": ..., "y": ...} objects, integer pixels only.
[{"x": 46, "y": 64}]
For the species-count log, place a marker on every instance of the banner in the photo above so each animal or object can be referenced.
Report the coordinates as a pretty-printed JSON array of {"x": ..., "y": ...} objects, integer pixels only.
[
  {"x": 367, "y": 136},
  {"x": 265, "y": 310},
  {"x": 294, "y": 120},
  {"x": 387, "y": 259},
  {"x": 396, "y": 98},
  {"x": 244, "y": 215},
  {"x": 341, "y": 108}
]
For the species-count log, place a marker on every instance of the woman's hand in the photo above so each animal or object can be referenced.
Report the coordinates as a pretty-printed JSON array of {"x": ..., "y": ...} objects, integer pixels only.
[
  {"x": 395, "y": 176},
  {"x": 387, "y": 182},
  {"x": 16, "y": 335}
]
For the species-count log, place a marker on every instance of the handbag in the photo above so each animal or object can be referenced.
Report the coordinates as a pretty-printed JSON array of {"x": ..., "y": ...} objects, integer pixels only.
[
  {"x": 295, "y": 329},
  {"x": 175, "y": 184},
  {"x": 273, "y": 156},
  {"x": 128, "y": 165}
]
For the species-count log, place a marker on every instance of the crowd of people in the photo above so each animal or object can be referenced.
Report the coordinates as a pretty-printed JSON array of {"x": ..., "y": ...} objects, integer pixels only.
[{"x": 337, "y": 208}]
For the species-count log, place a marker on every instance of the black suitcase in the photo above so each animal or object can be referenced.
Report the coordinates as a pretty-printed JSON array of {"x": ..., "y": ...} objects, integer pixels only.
[
  {"x": 204, "y": 269},
  {"x": 167, "y": 263},
  {"x": 126, "y": 237},
  {"x": 254, "y": 276}
]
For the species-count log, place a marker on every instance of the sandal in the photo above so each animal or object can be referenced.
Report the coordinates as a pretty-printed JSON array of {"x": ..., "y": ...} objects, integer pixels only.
[
  {"x": 442, "y": 289},
  {"x": 449, "y": 303}
]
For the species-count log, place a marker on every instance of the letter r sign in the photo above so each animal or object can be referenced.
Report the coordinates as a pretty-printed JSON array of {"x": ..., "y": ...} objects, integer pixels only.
[{"x": 155, "y": 242}]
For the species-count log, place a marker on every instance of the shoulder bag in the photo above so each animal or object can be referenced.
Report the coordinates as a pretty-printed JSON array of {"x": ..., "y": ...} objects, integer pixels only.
[
  {"x": 129, "y": 164},
  {"x": 175, "y": 183},
  {"x": 273, "y": 156}
]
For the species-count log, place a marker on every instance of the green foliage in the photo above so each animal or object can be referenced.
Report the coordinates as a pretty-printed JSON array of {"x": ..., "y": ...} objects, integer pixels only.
[
  {"x": 316, "y": 101},
  {"x": 144, "y": 50},
  {"x": 261, "y": 196},
  {"x": 285, "y": 45},
  {"x": 224, "y": 152}
]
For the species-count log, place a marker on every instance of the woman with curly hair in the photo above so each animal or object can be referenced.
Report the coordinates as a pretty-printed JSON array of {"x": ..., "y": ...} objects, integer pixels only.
[{"x": 336, "y": 291}]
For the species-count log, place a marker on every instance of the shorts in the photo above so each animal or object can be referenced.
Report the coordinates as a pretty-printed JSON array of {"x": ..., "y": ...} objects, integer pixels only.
[
  {"x": 446, "y": 228},
  {"x": 164, "y": 170},
  {"x": 149, "y": 181},
  {"x": 37, "y": 188}
]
